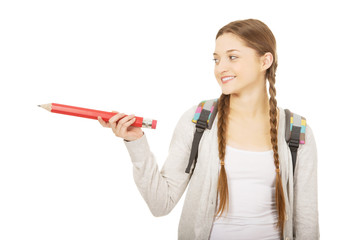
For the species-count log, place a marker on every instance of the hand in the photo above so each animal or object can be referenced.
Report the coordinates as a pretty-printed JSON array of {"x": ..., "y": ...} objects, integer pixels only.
[{"x": 122, "y": 127}]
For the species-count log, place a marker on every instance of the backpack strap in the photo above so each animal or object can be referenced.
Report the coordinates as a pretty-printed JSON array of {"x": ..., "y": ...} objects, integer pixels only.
[
  {"x": 294, "y": 133},
  {"x": 203, "y": 118}
]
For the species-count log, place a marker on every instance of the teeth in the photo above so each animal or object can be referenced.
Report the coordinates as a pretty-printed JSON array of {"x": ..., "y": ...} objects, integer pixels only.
[{"x": 227, "y": 78}]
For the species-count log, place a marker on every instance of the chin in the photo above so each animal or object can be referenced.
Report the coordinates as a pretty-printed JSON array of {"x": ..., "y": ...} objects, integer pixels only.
[{"x": 226, "y": 92}]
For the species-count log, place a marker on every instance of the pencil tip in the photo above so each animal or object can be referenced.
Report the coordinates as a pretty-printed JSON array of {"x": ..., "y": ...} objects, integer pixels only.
[{"x": 38, "y": 105}]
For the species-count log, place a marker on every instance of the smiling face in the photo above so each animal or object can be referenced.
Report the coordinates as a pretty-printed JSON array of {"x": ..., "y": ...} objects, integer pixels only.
[{"x": 233, "y": 58}]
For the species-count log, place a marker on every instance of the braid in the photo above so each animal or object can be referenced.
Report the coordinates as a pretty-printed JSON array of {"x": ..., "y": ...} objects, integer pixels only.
[
  {"x": 258, "y": 36},
  {"x": 279, "y": 193},
  {"x": 223, "y": 109}
]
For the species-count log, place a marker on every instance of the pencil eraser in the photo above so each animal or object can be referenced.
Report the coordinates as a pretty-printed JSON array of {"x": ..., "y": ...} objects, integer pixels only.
[{"x": 153, "y": 124}]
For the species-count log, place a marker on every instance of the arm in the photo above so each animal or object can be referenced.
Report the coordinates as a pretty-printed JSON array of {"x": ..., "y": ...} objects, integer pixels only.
[
  {"x": 162, "y": 190},
  {"x": 306, "y": 216}
]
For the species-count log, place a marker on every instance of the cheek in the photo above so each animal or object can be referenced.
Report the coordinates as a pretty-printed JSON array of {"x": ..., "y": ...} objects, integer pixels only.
[
  {"x": 217, "y": 76},
  {"x": 247, "y": 71}
]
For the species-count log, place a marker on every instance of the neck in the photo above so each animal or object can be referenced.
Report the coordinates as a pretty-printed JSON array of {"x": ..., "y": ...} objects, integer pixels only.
[{"x": 249, "y": 106}]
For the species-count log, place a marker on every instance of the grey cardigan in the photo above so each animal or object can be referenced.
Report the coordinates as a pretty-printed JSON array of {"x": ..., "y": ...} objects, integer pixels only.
[{"x": 163, "y": 189}]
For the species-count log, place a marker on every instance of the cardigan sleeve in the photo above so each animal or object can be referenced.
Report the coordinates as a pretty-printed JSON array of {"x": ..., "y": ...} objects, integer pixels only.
[
  {"x": 306, "y": 216},
  {"x": 162, "y": 190}
]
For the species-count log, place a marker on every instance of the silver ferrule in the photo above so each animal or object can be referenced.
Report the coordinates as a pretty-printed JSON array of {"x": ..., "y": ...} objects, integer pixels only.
[{"x": 147, "y": 122}]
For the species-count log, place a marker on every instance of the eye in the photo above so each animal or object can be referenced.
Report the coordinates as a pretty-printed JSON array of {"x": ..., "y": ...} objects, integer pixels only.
[{"x": 215, "y": 60}]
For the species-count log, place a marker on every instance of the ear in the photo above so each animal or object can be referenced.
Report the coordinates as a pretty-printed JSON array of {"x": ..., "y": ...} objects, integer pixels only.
[{"x": 266, "y": 61}]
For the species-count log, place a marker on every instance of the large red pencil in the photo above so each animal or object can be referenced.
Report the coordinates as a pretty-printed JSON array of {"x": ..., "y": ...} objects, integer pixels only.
[{"x": 93, "y": 114}]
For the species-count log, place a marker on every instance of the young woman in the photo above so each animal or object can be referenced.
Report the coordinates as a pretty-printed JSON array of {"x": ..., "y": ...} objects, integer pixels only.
[{"x": 244, "y": 164}]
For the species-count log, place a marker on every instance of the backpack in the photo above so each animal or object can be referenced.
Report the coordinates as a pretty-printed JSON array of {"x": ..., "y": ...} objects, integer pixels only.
[{"x": 204, "y": 117}]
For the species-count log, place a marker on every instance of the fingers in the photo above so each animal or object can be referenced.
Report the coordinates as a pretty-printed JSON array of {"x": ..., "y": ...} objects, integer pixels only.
[
  {"x": 118, "y": 123},
  {"x": 122, "y": 125},
  {"x": 102, "y": 122},
  {"x": 125, "y": 122},
  {"x": 115, "y": 118},
  {"x": 106, "y": 124}
]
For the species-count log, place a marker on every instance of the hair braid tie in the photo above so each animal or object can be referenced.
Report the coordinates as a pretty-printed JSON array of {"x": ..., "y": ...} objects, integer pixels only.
[
  {"x": 277, "y": 170},
  {"x": 222, "y": 162}
]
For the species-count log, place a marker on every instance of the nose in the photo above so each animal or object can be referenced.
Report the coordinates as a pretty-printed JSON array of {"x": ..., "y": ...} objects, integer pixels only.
[{"x": 221, "y": 67}]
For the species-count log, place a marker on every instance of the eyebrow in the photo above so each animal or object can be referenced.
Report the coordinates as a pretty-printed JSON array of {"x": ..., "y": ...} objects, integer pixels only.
[{"x": 230, "y": 50}]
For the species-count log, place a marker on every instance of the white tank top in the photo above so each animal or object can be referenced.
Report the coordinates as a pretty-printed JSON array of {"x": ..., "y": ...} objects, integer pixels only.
[{"x": 252, "y": 209}]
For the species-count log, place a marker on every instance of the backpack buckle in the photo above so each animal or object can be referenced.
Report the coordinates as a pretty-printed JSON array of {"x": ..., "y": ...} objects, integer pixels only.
[
  {"x": 201, "y": 125},
  {"x": 294, "y": 143}
]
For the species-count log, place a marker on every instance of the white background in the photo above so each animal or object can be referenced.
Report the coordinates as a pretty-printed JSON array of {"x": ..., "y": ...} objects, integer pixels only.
[{"x": 64, "y": 177}]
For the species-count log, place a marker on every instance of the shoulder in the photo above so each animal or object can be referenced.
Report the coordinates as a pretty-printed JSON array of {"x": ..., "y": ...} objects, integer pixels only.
[
  {"x": 184, "y": 123},
  {"x": 190, "y": 116},
  {"x": 300, "y": 123},
  {"x": 295, "y": 123},
  {"x": 308, "y": 148},
  {"x": 309, "y": 136},
  {"x": 194, "y": 111}
]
